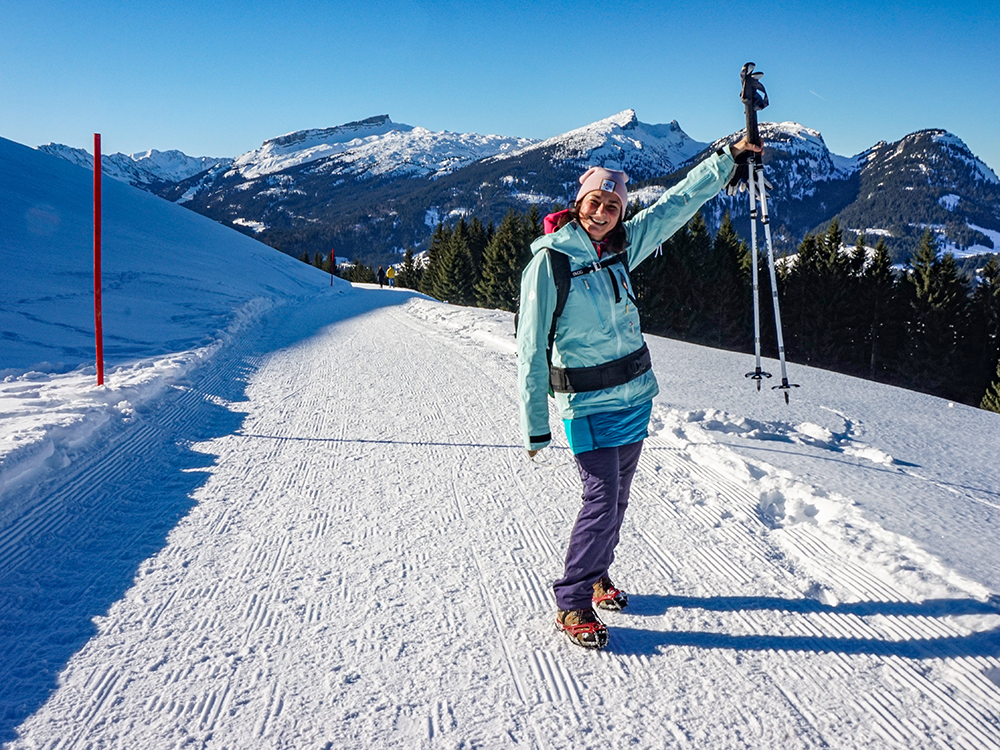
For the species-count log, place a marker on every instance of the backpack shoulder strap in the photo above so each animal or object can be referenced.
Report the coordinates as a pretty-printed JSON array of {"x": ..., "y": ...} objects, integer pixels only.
[{"x": 561, "y": 277}]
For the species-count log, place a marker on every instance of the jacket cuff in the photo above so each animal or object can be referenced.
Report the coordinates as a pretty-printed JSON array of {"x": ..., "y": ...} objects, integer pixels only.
[{"x": 537, "y": 442}]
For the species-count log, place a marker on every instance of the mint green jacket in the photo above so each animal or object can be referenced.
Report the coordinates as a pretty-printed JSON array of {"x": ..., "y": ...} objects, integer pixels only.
[{"x": 594, "y": 328}]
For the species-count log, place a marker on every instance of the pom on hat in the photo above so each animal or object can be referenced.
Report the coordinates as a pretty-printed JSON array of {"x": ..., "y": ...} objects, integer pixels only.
[{"x": 609, "y": 180}]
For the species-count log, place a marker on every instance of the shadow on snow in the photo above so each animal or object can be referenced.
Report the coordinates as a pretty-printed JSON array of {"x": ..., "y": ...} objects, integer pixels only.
[
  {"x": 85, "y": 533},
  {"x": 627, "y": 640}
]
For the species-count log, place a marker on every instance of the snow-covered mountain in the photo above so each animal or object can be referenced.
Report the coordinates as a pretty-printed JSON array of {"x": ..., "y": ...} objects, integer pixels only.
[
  {"x": 800, "y": 156},
  {"x": 373, "y": 187},
  {"x": 144, "y": 169},
  {"x": 374, "y": 147},
  {"x": 619, "y": 142},
  {"x": 376, "y": 187},
  {"x": 926, "y": 180}
]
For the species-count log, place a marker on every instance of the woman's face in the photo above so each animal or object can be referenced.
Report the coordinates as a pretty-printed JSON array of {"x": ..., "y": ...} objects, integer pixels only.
[{"x": 599, "y": 213}]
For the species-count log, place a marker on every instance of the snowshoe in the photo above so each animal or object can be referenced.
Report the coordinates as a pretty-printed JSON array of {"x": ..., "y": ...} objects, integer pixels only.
[
  {"x": 582, "y": 627},
  {"x": 606, "y": 596}
]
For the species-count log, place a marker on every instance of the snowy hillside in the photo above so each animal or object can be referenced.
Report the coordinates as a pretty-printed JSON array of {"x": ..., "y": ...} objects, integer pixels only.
[
  {"x": 175, "y": 286},
  {"x": 141, "y": 169},
  {"x": 960, "y": 151},
  {"x": 301, "y": 516}
]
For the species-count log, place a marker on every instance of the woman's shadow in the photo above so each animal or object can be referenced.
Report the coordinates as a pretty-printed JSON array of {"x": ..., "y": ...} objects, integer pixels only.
[{"x": 642, "y": 642}]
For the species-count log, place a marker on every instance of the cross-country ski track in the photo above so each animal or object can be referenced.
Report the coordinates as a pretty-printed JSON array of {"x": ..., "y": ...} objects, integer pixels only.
[{"x": 330, "y": 537}]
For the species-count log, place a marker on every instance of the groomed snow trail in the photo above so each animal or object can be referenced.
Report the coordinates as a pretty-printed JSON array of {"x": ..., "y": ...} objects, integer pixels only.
[{"x": 366, "y": 561}]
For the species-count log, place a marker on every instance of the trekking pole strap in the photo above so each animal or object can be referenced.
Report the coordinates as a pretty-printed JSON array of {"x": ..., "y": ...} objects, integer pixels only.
[{"x": 597, "y": 378}]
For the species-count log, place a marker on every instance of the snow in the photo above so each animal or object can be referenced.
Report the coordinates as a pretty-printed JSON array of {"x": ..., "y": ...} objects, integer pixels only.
[
  {"x": 994, "y": 236},
  {"x": 621, "y": 142},
  {"x": 299, "y": 515},
  {"x": 961, "y": 151},
  {"x": 374, "y": 147},
  {"x": 950, "y": 201},
  {"x": 946, "y": 246},
  {"x": 255, "y": 226},
  {"x": 873, "y": 231},
  {"x": 532, "y": 197},
  {"x": 142, "y": 168}
]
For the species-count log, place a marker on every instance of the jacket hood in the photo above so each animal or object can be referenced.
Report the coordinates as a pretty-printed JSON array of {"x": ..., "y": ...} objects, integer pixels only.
[
  {"x": 571, "y": 241},
  {"x": 551, "y": 222}
]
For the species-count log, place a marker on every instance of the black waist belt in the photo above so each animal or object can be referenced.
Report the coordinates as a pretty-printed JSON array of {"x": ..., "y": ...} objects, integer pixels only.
[{"x": 599, "y": 377}]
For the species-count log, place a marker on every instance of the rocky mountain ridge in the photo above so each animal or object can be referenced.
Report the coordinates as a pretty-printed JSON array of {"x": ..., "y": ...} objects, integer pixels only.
[
  {"x": 144, "y": 169},
  {"x": 373, "y": 187}
]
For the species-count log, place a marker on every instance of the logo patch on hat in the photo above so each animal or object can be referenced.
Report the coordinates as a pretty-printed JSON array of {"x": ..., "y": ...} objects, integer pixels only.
[{"x": 608, "y": 185}]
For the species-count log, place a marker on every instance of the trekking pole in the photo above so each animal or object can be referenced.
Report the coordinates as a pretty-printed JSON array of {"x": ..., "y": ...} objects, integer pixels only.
[
  {"x": 752, "y": 102},
  {"x": 785, "y": 385},
  {"x": 758, "y": 374},
  {"x": 754, "y": 99}
]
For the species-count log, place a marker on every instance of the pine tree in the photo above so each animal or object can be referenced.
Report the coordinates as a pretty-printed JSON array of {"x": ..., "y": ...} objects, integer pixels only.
[
  {"x": 937, "y": 322},
  {"x": 697, "y": 260},
  {"x": 410, "y": 274},
  {"x": 532, "y": 226},
  {"x": 479, "y": 238},
  {"x": 504, "y": 260},
  {"x": 819, "y": 301},
  {"x": 435, "y": 252},
  {"x": 359, "y": 273},
  {"x": 991, "y": 399},
  {"x": 984, "y": 333},
  {"x": 728, "y": 295},
  {"x": 880, "y": 311},
  {"x": 455, "y": 276},
  {"x": 670, "y": 287}
]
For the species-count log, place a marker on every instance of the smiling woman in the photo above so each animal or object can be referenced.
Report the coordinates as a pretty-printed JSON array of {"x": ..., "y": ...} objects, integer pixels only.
[{"x": 592, "y": 357}]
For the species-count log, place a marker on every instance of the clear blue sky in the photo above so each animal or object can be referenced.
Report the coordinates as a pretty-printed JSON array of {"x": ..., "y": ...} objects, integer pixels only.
[{"x": 218, "y": 77}]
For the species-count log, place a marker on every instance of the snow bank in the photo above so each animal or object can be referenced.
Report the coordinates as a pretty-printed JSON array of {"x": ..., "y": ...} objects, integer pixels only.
[{"x": 176, "y": 287}]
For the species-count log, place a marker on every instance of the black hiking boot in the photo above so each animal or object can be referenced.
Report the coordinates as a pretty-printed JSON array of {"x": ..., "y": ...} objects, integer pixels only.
[
  {"x": 606, "y": 596},
  {"x": 582, "y": 627}
]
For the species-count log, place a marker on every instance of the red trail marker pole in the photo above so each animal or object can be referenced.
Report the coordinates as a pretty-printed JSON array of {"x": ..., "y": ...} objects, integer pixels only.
[
  {"x": 333, "y": 265},
  {"x": 98, "y": 313}
]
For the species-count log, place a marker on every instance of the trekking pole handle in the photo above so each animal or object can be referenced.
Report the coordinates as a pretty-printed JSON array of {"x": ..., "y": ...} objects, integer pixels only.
[{"x": 754, "y": 99}]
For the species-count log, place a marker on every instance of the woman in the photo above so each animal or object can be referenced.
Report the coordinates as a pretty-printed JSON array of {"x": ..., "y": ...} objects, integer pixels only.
[{"x": 593, "y": 357}]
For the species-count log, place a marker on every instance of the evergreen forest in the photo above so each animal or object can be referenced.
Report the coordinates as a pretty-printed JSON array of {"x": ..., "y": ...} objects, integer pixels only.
[{"x": 929, "y": 327}]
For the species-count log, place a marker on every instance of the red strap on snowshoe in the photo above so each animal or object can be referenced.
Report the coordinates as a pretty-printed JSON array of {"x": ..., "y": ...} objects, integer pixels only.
[
  {"x": 582, "y": 627},
  {"x": 608, "y": 595}
]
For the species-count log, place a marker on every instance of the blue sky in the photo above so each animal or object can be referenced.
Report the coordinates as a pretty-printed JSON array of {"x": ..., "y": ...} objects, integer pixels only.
[{"x": 218, "y": 77}]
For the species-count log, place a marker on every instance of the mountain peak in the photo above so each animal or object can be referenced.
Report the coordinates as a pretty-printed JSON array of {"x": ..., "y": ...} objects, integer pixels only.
[
  {"x": 624, "y": 119},
  {"x": 377, "y": 125},
  {"x": 140, "y": 169},
  {"x": 922, "y": 151},
  {"x": 621, "y": 141}
]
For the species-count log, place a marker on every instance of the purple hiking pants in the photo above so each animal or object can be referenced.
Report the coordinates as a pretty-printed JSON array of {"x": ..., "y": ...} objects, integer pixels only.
[{"x": 607, "y": 478}]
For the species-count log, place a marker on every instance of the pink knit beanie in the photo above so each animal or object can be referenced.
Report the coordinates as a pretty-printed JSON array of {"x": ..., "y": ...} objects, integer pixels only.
[{"x": 599, "y": 178}]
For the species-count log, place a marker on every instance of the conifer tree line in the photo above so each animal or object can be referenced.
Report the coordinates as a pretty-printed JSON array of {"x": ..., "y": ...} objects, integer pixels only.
[
  {"x": 928, "y": 328},
  {"x": 475, "y": 264}
]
